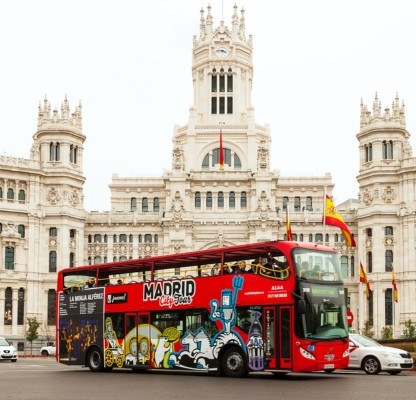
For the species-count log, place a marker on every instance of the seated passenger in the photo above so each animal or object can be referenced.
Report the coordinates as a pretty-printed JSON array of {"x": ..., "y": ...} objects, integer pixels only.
[
  {"x": 255, "y": 265},
  {"x": 316, "y": 272}
]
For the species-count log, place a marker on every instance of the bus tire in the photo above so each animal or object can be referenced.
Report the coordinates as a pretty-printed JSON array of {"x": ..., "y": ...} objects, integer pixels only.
[
  {"x": 95, "y": 360},
  {"x": 234, "y": 363}
]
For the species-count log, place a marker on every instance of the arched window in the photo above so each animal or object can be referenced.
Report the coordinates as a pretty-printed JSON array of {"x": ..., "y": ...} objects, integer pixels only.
[
  {"x": 8, "y": 306},
  {"x": 220, "y": 200},
  {"x": 22, "y": 195},
  {"x": 309, "y": 205},
  {"x": 51, "y": 306},
  {"x": 319, "y": 237},
  {"x": 388, "y": 231},
  {"x": 105, "y": 239},
  {"x": 209, "y": 200},
  {"x": 123, "y": 238},
  {"x": 89, "y": 238},
  {"x": 352, "y": 268},
  {"x": 53, "y": 231},
  {"x": 326, "y": 238},
  {"x": 285, "y": 203},
  {"x": 133, "y": 204},
  {"x": 368, "y": 148},
  {"x": 301, "y": 237},
  {"x": 72, "y": 233},
  {"x": 9, "y": 258},
  {"x": 10, "y": 194},
  {"x": 388, "y": 260},
  {"x": 145, "y": 204},
  {"x": 231, "y": 200},
  {"x": 205, "y": 162},
  {"x": 114, "y": 238},
  {"x": 294, "y": 236},
  {"x": 197, "y": 199},
  {"x": 156, "y": 204},
  {"x": 71, "y": 259},
  {"x": 387, "y": 150},
  {"x": 20, "y": 306},
  {"x": 243, "y": 200},
  {"x": 97, "y": 238},
  {"x": 52, "y": 261},
  {"x": 1, "y": 192},
  {"x": 344, "y": 266},
  {"x": 370, "y": 261},
  {"x": 388, "y": 304},
  {"x": 140, "y": 238},
  {"x": 297, "y": 203},
  {"x": 130, "y": 238},
  {"x": 97, "y": 260},
  {"x": 51, "y": 152},
  {"x": 230, "y": 80},
  {"x": 148, "y": 238},
  {"x": 21, "y": 230},
  {"x": 214, "y": 81},
  {"x": 156, "y": 239},
  {"x": 57, "y": 152},
  {"x": 310, "y": 237}
]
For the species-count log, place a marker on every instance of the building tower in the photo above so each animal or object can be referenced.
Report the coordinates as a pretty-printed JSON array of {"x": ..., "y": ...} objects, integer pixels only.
[{"x": 386, "y": 217}]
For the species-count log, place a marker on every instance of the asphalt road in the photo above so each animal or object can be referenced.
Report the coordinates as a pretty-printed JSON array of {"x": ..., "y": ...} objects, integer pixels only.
[{"x": 44, "y": 379}]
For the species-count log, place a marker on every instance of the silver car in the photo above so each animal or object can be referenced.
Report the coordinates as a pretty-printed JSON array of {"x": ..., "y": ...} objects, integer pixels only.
[
  {"x": 372, "y": 357},
  {"x": 7, "y": 350}
]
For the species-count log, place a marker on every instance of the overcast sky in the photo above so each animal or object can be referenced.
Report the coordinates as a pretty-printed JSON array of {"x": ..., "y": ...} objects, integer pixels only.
[{"x": 313, "y": 63}]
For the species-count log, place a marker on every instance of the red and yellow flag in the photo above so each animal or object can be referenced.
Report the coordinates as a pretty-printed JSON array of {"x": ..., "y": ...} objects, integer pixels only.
[
  {"x": 332, "y": 217},
  {"x": 289, "y": 235},
  {"x": 364, "y": 279},
  {"x": 394, "y": 283},
  {"x": 221, "y": 151}
]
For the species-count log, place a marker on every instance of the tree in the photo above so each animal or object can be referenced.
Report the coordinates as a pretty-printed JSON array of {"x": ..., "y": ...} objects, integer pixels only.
[
  {"x": 387, "y": 332},
  {"x": 367, "y": 330},
  {"x": 32, "y": 331},
  {"x": 409, "y": 331}
]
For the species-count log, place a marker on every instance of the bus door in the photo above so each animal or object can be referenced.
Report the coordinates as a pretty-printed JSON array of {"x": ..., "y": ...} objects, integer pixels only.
[
  {"x": 143, "y": 338},
  {"x": 137, "y": 344},
  {"x": 277, "y": 337}
]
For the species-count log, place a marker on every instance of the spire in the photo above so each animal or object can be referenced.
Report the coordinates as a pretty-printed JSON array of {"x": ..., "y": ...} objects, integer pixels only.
[
  {"x": 202, "y": 26},
  {"x": 63, "y": 118}
]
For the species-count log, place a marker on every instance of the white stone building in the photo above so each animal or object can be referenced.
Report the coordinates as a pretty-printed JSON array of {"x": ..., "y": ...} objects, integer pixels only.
[{"x": 197, "y": 204}]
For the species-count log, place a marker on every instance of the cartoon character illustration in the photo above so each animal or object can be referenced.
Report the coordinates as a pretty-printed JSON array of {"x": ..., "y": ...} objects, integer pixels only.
[
  {"x": 255, "y": 344},
  {"x": 204, "y": 352},
  {"x": 144, "y": 348},
  {"x": 164, "y": 347},
  {"x": 114, "y": 351}
]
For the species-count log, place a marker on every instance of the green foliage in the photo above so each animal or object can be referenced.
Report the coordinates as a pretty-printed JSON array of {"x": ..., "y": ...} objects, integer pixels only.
[
  {"x": 387, "y": 332},
  {"x": 368, "y": 329},
  {"x": 32, "y": 331},
  {"x": 409, "y": 331}
]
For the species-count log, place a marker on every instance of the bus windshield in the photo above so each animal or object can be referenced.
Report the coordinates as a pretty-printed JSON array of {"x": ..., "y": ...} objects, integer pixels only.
[{"x": 313, "y": 265}]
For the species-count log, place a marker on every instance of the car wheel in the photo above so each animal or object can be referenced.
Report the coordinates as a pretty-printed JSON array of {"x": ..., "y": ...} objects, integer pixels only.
[
  {"x": 371, "y": 365},
  {"x": 233, "y": 363},
  {"x": 95, "y": 360},
  {"x": 45, "y": 352}
]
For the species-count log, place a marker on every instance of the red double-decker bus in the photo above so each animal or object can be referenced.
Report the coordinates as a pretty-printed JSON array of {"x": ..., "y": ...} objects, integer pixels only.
[{"x": 274, "y": 306}]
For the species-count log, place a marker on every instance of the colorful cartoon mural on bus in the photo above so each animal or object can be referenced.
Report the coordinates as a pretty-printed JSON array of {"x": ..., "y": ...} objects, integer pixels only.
[{"x": 147, "y": 345}]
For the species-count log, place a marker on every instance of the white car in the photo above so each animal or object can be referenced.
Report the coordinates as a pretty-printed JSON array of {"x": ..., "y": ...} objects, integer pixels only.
[
  {"x": 48, "y": 350},
  {"x": 7, "y": 350},
  {"x": 372, "y": 357}
]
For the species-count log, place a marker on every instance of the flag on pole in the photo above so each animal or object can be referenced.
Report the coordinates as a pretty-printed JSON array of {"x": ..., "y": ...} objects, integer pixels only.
[
  {"x": 364, "y": 279},
  {"x": 332, "y": 217},
  {"x": 394, "y": 283},
  {"x": 221, "y": 151},
  {"x": 289, "y": 235}
]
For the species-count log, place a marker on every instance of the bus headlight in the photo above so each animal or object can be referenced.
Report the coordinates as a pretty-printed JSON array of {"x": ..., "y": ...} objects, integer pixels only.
[{"x": 306, "y": 354}]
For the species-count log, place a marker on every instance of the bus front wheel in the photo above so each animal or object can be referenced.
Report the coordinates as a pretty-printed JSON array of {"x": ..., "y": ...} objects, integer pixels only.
[
  {"x": 233, "y": 363},
  {"x": 95, "y": 360}
]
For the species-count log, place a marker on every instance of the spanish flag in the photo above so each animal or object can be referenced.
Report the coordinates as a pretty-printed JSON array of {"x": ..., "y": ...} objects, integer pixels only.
[
  {"x": 289, "y": 235},
  {"x": 394, "y": 283},
  {"x": 221, "y": 151},
  {"x": 332, "y": 217},
  {"x": 364, "y": 279}
]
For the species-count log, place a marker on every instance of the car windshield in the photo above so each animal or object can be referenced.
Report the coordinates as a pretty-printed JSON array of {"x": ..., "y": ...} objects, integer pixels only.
[
  {"x": 365, "y": 341},
  {"x": 4, "y": 342}
]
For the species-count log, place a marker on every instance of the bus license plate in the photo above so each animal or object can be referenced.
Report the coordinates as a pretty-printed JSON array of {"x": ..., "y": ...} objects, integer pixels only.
[{"x": 329, "y": 366}]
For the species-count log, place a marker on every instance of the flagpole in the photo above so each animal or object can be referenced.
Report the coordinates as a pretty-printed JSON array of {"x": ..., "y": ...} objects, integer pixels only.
[{"x": 324, "y": 213}]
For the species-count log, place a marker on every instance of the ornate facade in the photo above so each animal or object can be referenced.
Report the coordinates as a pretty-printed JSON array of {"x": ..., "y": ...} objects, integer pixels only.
[{"x": 198, "y": 204}]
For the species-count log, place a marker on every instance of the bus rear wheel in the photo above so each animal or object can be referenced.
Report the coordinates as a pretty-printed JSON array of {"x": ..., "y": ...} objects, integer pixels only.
[
  {"x": 95, "y": 360},
  {"x": 233, "y": 363}
]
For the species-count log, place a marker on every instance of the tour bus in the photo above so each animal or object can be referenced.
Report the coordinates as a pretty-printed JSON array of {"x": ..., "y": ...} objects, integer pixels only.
[{"x": 275, "y": 306}]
